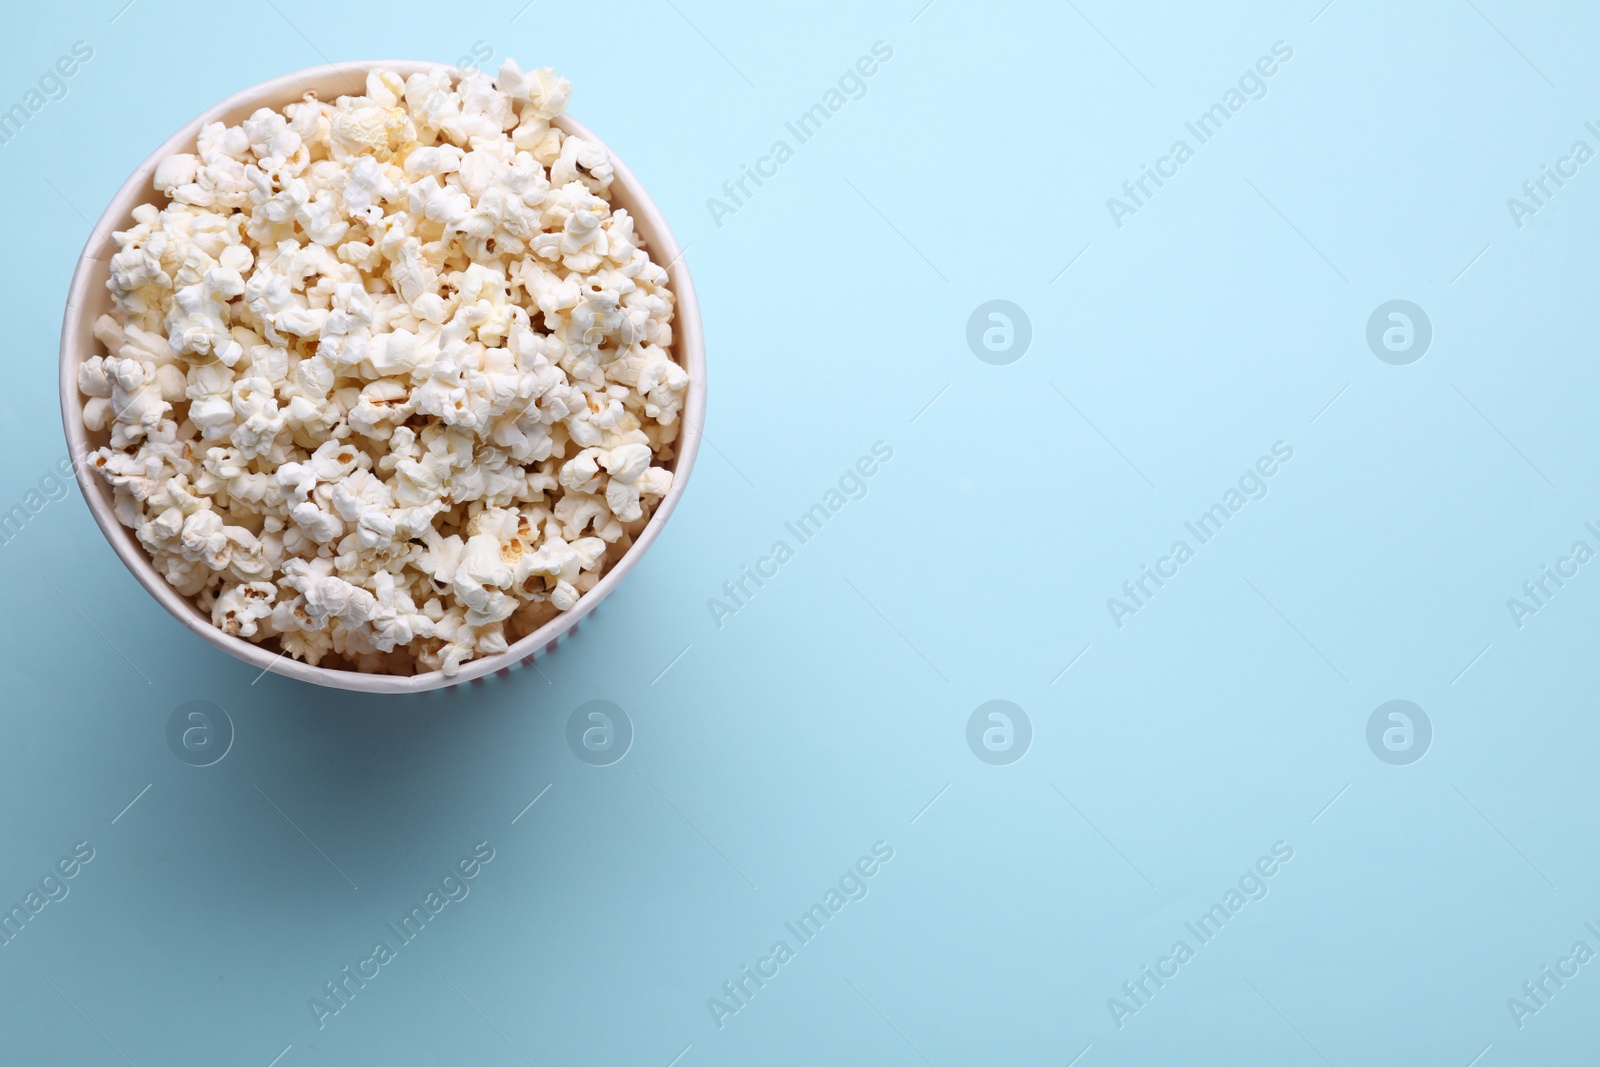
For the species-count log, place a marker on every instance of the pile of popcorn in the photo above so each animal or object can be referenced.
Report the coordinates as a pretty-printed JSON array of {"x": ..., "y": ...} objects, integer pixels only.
[{"x": 388, "y": 382}]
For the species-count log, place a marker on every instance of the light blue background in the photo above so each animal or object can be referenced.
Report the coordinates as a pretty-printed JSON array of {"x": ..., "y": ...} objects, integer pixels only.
[{"x": 827, "y": 714}]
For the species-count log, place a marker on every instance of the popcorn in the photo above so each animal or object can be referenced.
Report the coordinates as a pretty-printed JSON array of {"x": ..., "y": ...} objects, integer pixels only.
[
  {"x": 387, "y": 377},
  {"x": 582, "y": 161},
  {"x": 241, "y": 609}
]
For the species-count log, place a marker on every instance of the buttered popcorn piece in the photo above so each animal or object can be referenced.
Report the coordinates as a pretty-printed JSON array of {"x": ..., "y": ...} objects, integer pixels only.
[{"x": 387, "y": 384}]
